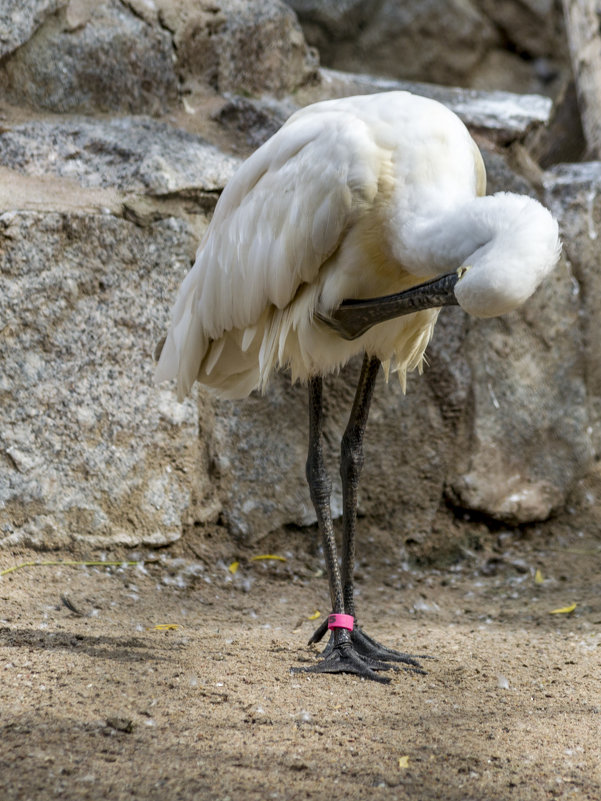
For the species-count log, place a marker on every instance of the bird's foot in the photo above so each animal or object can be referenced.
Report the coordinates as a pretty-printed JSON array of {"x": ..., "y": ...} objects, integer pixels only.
[
  {"x": 343, "y": 658},
  {"x": 368, "y": 648}
]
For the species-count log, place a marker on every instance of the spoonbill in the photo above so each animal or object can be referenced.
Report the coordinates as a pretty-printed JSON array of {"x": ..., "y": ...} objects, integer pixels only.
[{"x": 344, "y": 234}]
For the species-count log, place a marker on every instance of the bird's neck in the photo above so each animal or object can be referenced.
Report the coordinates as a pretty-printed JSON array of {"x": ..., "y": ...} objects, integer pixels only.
[{"x": 445, "y": 238}]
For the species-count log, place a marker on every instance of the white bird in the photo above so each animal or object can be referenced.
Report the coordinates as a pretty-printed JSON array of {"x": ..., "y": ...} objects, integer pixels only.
[{"x": 330, "y": 241}]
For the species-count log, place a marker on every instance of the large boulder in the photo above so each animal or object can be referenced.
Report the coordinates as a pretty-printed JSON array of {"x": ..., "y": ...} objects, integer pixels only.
[
  {"x": 573, "y": 192},
  {"x": 517, "y": 45},
  {"x": 86, "y": 440},
  {"x": 523, "y": 454},
  {"x": 238, "y": 46},
  {"x": 111, "y": 60},
  {"x": 91, "y": 449},
  {"x": 133, "y": 154},
  {"x": 504, "y": 117},
  {"x": 19, "y": 19},
  {"x": 141, "y": 57}
]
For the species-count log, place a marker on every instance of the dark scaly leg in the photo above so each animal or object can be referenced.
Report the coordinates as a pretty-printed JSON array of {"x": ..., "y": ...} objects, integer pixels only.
[
  {"x": 351, "y": 464},
  {"x": 342, "y": 656}
]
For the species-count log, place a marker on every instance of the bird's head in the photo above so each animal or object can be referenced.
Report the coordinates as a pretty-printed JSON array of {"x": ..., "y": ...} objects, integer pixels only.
[{"x": 521, "y": 249}]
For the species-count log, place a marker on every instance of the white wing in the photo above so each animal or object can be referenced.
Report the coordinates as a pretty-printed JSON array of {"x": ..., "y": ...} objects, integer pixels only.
[{"x": 280, "y": 217}]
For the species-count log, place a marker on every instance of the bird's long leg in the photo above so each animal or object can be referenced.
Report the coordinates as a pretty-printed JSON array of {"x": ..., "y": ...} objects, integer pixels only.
[
  {"x": 341, "y": 657},
  {"x": 320, "y": 488},
  {"x": 351, "y": 464}
]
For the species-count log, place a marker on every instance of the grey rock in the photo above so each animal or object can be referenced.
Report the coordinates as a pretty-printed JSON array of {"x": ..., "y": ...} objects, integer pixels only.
[
  {"x": 413, "y": 31},
  {"x": 260, "y": 453},
  {"x": 339, "y": 18},
  {"x": 267, "y": 36},
  {"x": 137, "y": 57},
  {"x": 499, "y": 176},
  {"x": 325, "y": 23},
  {"x": 409, "y": 40},
  {"x": 502, "y": 116},
  {"x": 19, "y": 19},
  {"x": 256, "y": 120},
  {"x": 514, "y": 45},
  {"x": 135, "y": 154},
  {"x": 113, "y": 61},
  {"x": 510, "y": 114},
  {"x": 89, "y": 448},
  {"x": 92, "y": 450},
  {"x": 525, "y": 452},
  {"x": 533, "y": 429},
  {"x": 236, "y": 45},
  {"x": 531, "y": 25},
  {"x": 573, "y": 192}
]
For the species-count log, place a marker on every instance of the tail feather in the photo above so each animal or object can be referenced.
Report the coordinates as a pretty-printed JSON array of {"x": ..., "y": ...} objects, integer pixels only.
[{"x": 181, "y": 354}]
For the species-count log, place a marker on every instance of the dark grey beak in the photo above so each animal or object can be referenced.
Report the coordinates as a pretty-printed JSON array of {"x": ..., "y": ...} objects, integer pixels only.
[{"x": 354, "y": 317}]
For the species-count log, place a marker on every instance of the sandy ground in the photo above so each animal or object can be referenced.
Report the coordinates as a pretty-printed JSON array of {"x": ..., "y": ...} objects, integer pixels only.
[{"x": 98, "y": 703}]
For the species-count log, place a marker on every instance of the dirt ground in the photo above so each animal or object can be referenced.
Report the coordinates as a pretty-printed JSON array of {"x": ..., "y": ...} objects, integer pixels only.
[{"x": 99, "y": 703}]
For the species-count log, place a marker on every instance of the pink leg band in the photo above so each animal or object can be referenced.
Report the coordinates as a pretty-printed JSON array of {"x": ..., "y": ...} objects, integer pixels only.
[{"x": 341, "y": 622}]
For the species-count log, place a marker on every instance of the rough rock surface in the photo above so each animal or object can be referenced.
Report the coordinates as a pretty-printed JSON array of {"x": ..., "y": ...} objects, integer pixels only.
[
  {"x": 135, "y": 154},
  {"x": 19, "y": 19},
  {"x": 136, "y": 57},
  {"x": 574, "y": 193},
  {"x": 100, "y": 217},
  {"x": 83, "y": 426},
  {"x": 93, "y": 450},
  {"x": 515, "y": 45},
  {"x": 113, "y": 61},
  {"x": 502, "y": 116},
  {"x": 524, "y": 452},
  {"x": 237, "y": 46}
]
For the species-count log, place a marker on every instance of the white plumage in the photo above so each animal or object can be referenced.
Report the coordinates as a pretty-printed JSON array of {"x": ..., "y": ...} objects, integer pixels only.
[
  {"x": 363, "y": 197},
  {"x": 352, "y": 198}
]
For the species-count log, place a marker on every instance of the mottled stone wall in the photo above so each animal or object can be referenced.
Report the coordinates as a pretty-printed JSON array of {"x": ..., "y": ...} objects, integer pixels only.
[{"x": 106, "y": 186}]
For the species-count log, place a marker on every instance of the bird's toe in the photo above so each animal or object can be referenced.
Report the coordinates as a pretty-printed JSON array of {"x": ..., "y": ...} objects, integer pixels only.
[
  {"x": 344, "y": 658},
  {"x": 369, "y": 648}
]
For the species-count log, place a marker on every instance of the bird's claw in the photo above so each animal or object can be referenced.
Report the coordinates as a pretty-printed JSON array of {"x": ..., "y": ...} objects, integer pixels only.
[
  {"x": 319, "y": 632},
  {"x": 343, "y": 658},
  {"x": 368, "y": 648}
]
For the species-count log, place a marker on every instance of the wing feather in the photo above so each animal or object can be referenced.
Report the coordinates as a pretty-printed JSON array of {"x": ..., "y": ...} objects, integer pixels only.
[{"x": 278, "y": 220}]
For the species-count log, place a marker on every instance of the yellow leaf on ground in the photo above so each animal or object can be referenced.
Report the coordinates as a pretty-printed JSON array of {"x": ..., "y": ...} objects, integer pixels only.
[
  {"x": 404, "y": 761},
  {"x": 538, "y": 577},
  {"x": 167, "y": 626},
  {"x": 565, "y": 610},
  {"x": 267, "y": 556},
  {"x": 315, "y": 615},
  {"x": 234, "y": 567}
]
